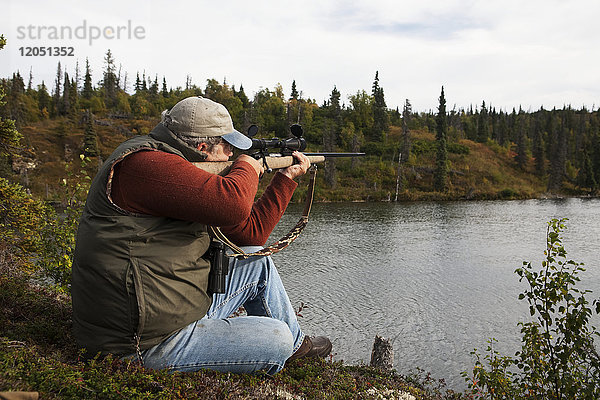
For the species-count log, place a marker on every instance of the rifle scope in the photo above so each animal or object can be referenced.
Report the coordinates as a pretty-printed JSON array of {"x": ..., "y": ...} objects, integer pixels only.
[{"x": 281, "y": 145}]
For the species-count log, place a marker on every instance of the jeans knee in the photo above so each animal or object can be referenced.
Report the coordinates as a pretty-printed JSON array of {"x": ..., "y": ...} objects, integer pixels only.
[{"x": 280, "y": 342}]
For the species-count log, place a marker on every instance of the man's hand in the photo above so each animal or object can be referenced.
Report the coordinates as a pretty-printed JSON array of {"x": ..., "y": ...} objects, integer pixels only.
[
  {"x": 258, "y": 167},
  {"x": 296, "y": 170}
]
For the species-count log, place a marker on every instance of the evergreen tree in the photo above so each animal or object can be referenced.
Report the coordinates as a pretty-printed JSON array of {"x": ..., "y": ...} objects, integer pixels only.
[
  {"x": 77, "y": 76},
  {"x": 15, "y": 103},
  {"x": 164, "y": 91},
  {"x": 9, "y": 136},
  {"x": 586, "y": 177},
  {"x": 482, "y": 125},
  {"x": 380, "y": 115},
  {"x": 558, "y": 160},
  {"x": 109, "y": 82},
  {"x": 138, "y": 84},
  {"x": 441, "y": 170},
  {"x": 65, "y": 103},
  {"x": 242, "y": 96},
  {"x": 73, "y": 97},
  {"x": 88, "y": 89},
  {"x": 331, "y": 132},
  {"x": 43, "y": 99},
  {"x": 30, "y": 82},
  {"x": 90, "y": 139},
  {"x": 538, "y": 149},
  {"x": 56, "y": 95},
  {"x": 521, "y": 156},
  {"x": 502, "y": 135},
  {"x": 294, "y": 94},
  {"x": 595, "y": 154},
  {"x": 153, "y": 90},
  {"x": 406, "y": 112}
]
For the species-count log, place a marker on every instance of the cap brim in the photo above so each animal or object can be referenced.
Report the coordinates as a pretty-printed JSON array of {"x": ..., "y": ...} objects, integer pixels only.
[{"x": 238, "y": 139}]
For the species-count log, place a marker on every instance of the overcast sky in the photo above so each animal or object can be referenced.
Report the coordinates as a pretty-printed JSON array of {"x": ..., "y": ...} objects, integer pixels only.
[{"x": 508, "y": 53}]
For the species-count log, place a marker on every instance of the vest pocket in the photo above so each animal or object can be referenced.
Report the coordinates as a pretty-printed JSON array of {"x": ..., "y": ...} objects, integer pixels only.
[{"x": 137, "y": 302}]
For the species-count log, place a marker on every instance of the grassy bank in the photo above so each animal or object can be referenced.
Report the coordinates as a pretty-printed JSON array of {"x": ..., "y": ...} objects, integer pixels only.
[{"x": 37, "y": 353}]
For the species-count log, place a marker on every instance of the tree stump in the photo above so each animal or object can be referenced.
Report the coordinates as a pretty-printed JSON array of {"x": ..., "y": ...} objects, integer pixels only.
[{"x": 382, "y": 356}]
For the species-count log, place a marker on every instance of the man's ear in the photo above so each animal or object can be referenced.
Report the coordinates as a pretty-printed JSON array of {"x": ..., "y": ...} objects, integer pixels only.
[{"x": 203, "y": 147}]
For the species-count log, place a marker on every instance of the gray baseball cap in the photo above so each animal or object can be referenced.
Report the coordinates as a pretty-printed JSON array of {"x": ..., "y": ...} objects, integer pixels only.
[{"x": 201, "y": 117}]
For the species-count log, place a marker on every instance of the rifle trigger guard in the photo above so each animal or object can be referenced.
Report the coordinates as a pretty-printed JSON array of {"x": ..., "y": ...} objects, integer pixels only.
[{"x": 265, "y": 165}]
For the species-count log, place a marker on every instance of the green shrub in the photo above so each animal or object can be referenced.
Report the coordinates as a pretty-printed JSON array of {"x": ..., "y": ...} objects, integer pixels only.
[
  {"x": 508, "y": 193},
  {"x": 22, "y": 221},
  {"x": 421, "y": 146},
  {"x": 457, "y": 148},
  {"x": 558, "y": 359},
  {"x": 34, "y": 232}
]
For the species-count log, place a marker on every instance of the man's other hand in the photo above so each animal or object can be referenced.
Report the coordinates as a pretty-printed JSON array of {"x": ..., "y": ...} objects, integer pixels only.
[
  {"x": 298, "y": 169},
  {"x": 258, "y": 167}
]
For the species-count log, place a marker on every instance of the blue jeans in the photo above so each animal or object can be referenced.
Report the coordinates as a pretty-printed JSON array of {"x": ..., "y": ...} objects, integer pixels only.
[{"x": 261, "y": 341}]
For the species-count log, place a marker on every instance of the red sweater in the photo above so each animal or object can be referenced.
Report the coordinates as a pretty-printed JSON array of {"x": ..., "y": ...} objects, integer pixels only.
[{"x": 163, "y": 184}]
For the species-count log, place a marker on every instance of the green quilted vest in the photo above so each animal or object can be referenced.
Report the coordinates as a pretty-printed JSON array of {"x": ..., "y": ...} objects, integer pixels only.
[{"x": 136, "y": 278}]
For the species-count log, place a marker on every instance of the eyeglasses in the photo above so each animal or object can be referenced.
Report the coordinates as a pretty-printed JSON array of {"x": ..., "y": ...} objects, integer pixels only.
[{"x": 227, "y": 146}]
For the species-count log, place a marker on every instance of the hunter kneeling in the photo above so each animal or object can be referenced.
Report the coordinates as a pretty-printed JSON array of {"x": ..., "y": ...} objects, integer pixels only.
[{"x": 141, "y": 269}]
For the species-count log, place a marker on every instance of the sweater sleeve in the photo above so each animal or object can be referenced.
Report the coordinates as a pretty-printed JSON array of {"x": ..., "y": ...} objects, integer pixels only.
[
  {"x": 266, "y": 213},
  {"x": 163, "y": 184}
]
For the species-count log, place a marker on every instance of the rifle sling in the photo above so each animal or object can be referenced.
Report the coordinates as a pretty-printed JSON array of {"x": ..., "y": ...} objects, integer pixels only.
[{"x": 284, "y": 241}]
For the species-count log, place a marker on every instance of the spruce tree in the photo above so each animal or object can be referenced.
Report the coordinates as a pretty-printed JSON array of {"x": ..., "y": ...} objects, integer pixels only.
[
  {"x": 558, "y": 157},
  {"x": 30, "y": 82},
  {"x": 242, "y": 96},
  {"x": 331, "y": 133},
  {"x": 73, "y": 97},
  {"x": 43, "y": 99},
  {"x": 586, "y": 177},
  {"x": 406, "y": 112},
  {"x": 294, "y": 94},
  {"x": 138, "y": 83},
  {"x": 109, "y": 82},
  {"x": 538, "y": 149},
  {"x": 164, "y": 91},
  {"x": 441, "y": 170},
  {"x": 482, "y": 125},
  {"x": 65, "y": 103},
  {"x": 88, "y": 89},
  {"x": 380, "y": 115},
  {"x": 154, "y": 87},
  {"x": 521, "y": 156},
  {"x": 90, "y": 139},
  {"x": 9, "y": 136},
  {"x": 56, "y": 94}
]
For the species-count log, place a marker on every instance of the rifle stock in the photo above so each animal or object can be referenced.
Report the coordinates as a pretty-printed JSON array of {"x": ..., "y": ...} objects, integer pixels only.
[{"x": 275, "y": 162}]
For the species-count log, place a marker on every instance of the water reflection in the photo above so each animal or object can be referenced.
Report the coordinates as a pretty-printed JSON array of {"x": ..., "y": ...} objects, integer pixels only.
[{"x": 437, "y": 278}]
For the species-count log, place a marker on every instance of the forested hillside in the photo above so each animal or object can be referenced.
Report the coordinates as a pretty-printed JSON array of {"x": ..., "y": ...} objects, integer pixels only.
[{"x": 474, "y": 153}]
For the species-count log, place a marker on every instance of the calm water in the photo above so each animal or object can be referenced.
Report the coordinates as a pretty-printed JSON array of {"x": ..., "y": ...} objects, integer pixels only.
[{"x": 436, "y": 278}]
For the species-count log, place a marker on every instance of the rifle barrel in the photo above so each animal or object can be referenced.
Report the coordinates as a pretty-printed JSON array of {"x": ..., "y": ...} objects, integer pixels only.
[{"x": 331, "y": 155}]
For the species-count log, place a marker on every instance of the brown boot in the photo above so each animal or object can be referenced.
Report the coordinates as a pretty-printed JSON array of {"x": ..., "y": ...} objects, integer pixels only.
[{"x": 318, "y": 346}]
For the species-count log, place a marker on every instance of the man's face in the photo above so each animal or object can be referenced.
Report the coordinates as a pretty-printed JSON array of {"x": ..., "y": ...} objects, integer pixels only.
[{"x": 220, "y": 152}]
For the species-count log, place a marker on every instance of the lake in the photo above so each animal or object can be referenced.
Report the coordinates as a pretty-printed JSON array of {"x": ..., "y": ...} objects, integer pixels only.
[{"x": 435, "y": 277}]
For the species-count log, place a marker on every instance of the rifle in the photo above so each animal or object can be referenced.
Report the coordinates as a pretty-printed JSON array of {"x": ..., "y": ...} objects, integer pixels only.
[
  {"x": 282, "y": 159},
  {"x": 275, "y": 153}
]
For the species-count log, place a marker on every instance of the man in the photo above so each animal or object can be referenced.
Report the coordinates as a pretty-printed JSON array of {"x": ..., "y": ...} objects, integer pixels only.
[{"x": 140, "y": 270}]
